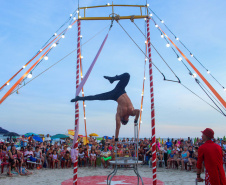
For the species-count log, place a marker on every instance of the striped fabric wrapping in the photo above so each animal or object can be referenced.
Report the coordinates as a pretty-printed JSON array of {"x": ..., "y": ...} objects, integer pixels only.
[
  {"x": 75, "y": 142},
  {"x": 152, "y": 108}
]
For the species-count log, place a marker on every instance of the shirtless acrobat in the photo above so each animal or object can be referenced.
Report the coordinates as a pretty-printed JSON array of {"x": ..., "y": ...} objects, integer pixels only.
[{"x": 125, "y": 107}]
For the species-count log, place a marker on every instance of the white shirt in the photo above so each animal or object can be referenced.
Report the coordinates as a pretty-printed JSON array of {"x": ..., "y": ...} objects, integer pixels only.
[
  {"x": 48, "y": 139},
  {"x": 28, "y": 153}
]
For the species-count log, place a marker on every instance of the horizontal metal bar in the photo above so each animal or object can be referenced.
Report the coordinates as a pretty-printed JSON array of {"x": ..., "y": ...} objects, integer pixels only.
[
  {"x": 111, "y": 6},
  {"x": 110, "y": 18}
]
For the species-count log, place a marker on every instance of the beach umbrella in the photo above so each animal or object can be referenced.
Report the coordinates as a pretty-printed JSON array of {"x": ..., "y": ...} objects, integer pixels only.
[
  {"x": 3, "y": 131},
  {"x": 94, "y": 135},
  {"x": 80, "y": 135},
  {"x": 70, "y": 136},
  {"x": 59, "y": 136},
  {"x": 11, "y": 134},
  {"x": 99, "y": 138},
  {"x": 108, "y": 137},
  {"x": 36, "y": 138},
  {"x": 30, "y": 134}
]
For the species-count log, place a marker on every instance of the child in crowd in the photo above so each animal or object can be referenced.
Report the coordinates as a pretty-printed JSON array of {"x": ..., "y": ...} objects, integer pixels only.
[
  {"x": 23, "y": 170},
  {"x": 191, "y": 156},
  {"x": 169, "y": 151},
  {"x": 176, "y": 157},
  {"x": 170, "y": 160},
  {"x": 55, "y": 159},
  {"x": 81, "y": 157},
  {"x": 67, "y": 158},
  {"x": 93, "y": 158},
  {"x": 127, "y": 153}
]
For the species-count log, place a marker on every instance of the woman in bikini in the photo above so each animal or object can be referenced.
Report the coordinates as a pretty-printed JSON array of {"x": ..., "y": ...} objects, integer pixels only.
[{"x": 184, "y": 157}]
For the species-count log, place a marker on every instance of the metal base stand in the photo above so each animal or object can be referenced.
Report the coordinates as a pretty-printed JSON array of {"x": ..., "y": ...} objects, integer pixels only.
[{"x": 121, "y": 162}]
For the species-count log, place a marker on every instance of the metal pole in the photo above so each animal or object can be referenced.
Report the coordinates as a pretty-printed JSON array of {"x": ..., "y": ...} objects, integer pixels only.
[
  {"x": 152, "y": 108},
  {"x": 75, "y": 171}
]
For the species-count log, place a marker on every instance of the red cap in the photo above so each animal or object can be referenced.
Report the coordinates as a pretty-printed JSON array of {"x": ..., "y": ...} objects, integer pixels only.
[{"x": 208, "y": 132}]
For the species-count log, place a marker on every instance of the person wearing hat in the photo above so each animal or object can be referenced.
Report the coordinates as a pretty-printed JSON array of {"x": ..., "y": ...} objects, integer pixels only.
[{"x": 212, "y": 155}]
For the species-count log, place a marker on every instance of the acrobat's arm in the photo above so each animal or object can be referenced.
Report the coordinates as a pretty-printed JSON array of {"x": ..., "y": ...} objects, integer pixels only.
[
  {"x": 118, "y": 125},
  {"x": 136, "y": 113}
]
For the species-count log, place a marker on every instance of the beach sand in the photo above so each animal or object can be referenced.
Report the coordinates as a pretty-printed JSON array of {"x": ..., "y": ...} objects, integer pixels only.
[{"x": 56, "y": 176}]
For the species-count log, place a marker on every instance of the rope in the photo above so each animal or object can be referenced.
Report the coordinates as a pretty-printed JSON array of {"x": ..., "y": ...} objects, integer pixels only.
[
  {"x": 83, "y": 94},
  {"x": 57, "y": 62},
  {"x": 212, "y": 96},
  {"x": 172, "y": 47},
  {"x": 186, "y": 48},
  {"x": 201, "y": 98},
  {"x": 190, "y": 73},
  {"x": 209, "y": 96},
  {"x": 187, "y": 69},
  {"x": 40, "y": 51},
  {"x": 140, "y": 48},
  {"x": 61, "y": 26},
  {"x": 157, "y": 52}
]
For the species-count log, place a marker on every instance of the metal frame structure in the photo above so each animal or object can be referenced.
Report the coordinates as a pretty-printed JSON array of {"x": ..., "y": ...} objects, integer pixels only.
[
  {"x": 141, "y": 16},
  {"x": 114, "y": 16},
  {"x": 133, "y": 161}
]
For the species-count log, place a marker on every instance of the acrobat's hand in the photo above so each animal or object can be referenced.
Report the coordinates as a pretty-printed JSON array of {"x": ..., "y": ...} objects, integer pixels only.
[
  {"x": 199, "y": 179},
  {"x": 135, "y": 121}
]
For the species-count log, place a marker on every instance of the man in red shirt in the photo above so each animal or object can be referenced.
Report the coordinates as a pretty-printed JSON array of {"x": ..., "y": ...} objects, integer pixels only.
[{"x": 212, "y": 155}]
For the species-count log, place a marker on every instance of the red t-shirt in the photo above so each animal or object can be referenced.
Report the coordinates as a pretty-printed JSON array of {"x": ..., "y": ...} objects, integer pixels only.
[{"x": 212, "y": 156}]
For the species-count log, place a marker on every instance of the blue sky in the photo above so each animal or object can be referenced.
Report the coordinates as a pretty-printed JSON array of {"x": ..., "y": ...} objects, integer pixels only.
[{"x": 43, "y": 106}]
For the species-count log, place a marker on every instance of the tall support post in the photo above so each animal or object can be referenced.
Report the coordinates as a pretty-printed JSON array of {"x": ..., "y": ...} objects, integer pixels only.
[
  {"x": 152, "y": 108},
  {"x": 75, "y": 143}
]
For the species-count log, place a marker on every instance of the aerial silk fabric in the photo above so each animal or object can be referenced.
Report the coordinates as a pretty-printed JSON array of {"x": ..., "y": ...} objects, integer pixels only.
[
  {"x": 74, "y": 152},
  {"x": 212, "y": 155},
  {"x": 78, "y": 90}
]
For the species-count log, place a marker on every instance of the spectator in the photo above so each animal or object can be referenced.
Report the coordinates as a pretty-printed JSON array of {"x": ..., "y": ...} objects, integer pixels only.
[
  {"x": 93, "y": 158},
  {"x": 184, "y": 157},
  {"x": 48, "y": 139},
  {"x": 81, "y": 157},
  {"x": 168, "y": 143},
  {"x": 105, "y": 157}
]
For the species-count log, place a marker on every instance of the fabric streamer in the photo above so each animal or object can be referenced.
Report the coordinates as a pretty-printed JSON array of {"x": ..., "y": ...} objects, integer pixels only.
[
  {"x": 78, "y": 90},
  {"x": 74, "y": 152}
]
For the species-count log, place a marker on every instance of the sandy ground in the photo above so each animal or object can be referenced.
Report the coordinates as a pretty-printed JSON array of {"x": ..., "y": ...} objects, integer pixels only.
[{"x": 56, "y": 176}]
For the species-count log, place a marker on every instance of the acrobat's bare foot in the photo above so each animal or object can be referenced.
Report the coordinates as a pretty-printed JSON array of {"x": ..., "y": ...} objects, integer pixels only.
[{"x": 109, "y": 78}]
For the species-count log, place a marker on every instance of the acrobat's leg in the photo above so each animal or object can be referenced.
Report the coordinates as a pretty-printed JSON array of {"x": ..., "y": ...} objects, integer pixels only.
[
  {"x": 104, "y": 96},
  {"x": 123, "y": 77}
]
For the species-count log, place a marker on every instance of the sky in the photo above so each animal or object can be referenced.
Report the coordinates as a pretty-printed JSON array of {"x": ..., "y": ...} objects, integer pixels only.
[{"x": 43, "y": 106}]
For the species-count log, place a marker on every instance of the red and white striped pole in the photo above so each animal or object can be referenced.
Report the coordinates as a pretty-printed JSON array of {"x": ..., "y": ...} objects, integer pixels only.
[
  {"x": 152, "y": 108},
  {"x": 75, "y": 143}
]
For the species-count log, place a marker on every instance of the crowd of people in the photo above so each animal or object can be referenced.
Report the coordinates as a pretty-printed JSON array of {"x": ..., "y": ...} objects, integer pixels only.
[{"x": 173, "y": 153}]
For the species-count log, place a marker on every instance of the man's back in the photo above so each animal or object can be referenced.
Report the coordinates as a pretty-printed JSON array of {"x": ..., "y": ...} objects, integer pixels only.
[
  {"x": 125, "y": 106},
  {"x": 212, "y": 156}
]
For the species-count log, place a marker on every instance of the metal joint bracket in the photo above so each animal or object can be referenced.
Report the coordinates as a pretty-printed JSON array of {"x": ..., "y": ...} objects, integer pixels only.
[{"x": 132, "y": 18}]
